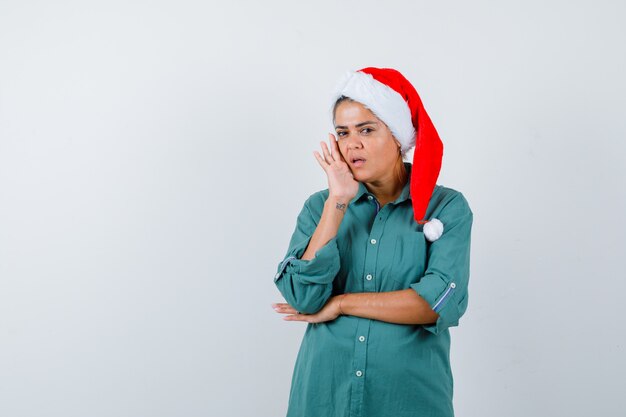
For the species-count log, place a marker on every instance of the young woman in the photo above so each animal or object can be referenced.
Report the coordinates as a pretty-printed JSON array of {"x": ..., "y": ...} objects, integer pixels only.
[{"x": 378, "y": 264}]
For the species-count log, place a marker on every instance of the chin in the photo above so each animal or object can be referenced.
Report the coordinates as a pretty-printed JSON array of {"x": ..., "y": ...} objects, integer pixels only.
[{"x": 360, "y": 176}]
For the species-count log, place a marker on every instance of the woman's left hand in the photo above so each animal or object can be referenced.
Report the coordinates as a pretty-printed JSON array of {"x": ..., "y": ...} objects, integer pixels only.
[{"x": 329, "y": 312}]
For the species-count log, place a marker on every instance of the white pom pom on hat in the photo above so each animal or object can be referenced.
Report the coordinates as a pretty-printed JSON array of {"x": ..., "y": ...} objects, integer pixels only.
[{"x": 433, "y": 230}]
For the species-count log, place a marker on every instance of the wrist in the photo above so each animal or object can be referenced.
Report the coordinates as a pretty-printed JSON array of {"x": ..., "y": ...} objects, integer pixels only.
[
  {"x": 337, "y": 203},
  {"x": 341, "y": 297}
]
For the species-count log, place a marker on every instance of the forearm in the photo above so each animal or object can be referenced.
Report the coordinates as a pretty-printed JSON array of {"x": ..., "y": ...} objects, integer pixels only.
[
  {"x": 332, "y": 215},
  {"x": 400, "y": 307}
]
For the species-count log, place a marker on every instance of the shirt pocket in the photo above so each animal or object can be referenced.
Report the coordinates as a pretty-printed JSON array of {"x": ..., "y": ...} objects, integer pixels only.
[{"x": 409, "y": 260}]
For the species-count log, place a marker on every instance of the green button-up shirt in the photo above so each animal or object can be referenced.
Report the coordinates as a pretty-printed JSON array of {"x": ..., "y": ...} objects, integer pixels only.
[{"x": 359, "y": 367}]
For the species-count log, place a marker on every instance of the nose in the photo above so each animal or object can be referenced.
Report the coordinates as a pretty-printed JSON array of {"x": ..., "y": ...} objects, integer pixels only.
[{"x": 353, "y": 142}]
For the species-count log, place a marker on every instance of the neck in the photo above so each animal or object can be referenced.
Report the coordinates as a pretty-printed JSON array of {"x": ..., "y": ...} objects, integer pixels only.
[{"x": 389, "y": 188}]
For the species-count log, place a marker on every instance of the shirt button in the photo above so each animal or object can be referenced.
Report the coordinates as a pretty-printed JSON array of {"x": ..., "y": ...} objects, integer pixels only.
[
  {"x": 368, "y": 277},
  {"x": 361, "y": 338},
  {"x": 369, "y": 197},
  {"x": 453, "y": 285},
  {"x": 276, "y": 276},
  {"x": 359, "y": 373},
  {"x": 373, "y": 241}
]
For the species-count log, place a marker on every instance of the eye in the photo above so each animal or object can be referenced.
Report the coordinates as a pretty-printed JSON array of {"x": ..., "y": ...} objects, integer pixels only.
[
  {"x": 367, "y": 130},
  {"x": 341, "y": 133}
]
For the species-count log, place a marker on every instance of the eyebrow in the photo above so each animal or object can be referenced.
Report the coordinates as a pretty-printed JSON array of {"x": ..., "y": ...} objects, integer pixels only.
[{"x": 369, "y": 122}]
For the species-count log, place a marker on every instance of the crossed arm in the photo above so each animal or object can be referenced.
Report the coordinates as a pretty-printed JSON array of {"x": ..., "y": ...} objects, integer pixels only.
[{"x": 401, "y": 307}]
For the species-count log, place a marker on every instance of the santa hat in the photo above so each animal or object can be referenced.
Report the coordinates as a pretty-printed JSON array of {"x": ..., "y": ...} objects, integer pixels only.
[{"x": 393, "y": 99}]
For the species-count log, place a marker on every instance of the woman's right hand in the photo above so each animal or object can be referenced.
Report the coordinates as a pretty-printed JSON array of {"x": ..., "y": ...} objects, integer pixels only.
[{"x": 341, "y": 182}]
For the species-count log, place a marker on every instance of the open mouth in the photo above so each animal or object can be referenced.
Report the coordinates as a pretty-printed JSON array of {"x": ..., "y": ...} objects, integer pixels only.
[{"x": 358, "y": 161}]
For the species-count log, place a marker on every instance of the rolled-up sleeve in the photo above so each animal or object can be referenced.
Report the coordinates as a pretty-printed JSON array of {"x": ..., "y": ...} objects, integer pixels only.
[
  {"x": 445, "y": 282},
  {"x": 307, "y": 285}
]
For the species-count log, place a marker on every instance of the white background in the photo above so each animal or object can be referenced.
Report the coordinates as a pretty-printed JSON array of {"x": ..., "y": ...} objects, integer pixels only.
[{"x": 154, "y": 157}]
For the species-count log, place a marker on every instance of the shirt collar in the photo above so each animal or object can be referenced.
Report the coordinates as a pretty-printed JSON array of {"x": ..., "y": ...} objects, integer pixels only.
[{"x": 404, "y": 195}]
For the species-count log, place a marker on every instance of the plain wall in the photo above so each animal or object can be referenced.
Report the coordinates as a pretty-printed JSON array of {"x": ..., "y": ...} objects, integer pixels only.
[{"x": 154, "y": 157}]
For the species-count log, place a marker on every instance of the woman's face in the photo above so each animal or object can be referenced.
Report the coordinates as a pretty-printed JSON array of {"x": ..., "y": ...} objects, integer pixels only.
[{"x": 365, "y": 142}]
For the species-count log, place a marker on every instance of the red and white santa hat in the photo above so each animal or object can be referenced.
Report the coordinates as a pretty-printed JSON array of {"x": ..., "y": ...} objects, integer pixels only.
[{"x": 393, "y": 99}]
